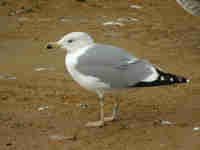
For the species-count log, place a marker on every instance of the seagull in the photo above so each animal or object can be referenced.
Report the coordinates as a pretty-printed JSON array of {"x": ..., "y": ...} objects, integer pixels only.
[{"x": 104, "y": 68}]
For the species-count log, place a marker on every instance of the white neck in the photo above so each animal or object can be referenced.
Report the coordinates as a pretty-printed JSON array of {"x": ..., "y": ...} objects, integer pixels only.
[{"x": 72, "y": 57}]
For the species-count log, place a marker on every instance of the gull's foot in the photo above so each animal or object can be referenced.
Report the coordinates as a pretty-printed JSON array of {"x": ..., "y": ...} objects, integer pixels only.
[
  {"x": 95, "y": 124},
  {"x": 107, "y": 119}
]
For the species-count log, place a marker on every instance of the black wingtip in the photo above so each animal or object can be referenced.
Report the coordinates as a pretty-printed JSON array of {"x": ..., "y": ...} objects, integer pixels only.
[
  {"x": 163, "y": 79},
  {"x": 170, "y": 78}
]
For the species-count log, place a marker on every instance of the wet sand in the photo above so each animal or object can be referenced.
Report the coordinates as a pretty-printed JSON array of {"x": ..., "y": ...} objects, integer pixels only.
[{"x": 163, "y": 33}]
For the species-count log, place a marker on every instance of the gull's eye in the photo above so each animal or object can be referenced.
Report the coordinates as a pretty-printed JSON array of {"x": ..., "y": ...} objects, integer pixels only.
[{"x": 70, "y": 41}]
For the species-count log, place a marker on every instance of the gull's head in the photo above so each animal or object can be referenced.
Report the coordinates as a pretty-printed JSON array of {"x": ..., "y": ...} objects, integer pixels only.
[{"x": 72, "y": 41}]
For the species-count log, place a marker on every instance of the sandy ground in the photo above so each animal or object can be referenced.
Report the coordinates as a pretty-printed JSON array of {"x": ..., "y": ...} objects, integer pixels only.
[{"x": 163, "y": 33}]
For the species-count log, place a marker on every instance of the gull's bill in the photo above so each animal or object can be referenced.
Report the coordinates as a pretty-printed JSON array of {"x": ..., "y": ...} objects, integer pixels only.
[{"x": 52, "y": 45}]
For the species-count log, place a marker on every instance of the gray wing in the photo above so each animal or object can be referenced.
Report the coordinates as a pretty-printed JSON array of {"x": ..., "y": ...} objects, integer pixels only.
[
  {"x": 191, "y": 6},
  {"x": 113, "y": 66}
]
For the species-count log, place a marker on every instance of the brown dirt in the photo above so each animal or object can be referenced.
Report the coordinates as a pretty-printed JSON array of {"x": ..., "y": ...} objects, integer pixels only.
[{"x": 164, "y": 33}]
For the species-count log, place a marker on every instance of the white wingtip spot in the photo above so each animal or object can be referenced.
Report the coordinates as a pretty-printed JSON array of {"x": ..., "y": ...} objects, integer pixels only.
[
  {"x": 171, "y": 79},
  {"x": 187, "y": 80},
  {"x": 162, "y": 78}
]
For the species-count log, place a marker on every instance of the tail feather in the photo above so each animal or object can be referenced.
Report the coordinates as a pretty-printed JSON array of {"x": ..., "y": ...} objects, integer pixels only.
[{"x": 163, "y": 79}]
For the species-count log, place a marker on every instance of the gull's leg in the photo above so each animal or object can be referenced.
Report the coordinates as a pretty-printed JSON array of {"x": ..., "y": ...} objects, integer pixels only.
[
  {"x": 99, "y": 123},
  {"x": 115, "y": 114},
  {"x": 102, "y": 109},
  {"x": 115, "y": 111}
]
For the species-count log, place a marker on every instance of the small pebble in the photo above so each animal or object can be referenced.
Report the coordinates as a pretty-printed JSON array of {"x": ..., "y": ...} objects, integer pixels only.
[
  {"x": 127, "y": 19},
  {"x": 165, "y": 122},
  {"x": 6, "y": 76},
  {"x": 84, "y": 106},
  {"x": 43, "y": 108},
  {"x": 24, "y": 10},
  {"x": 60, "y": 137},
  {"x": 20, "y": 11},
  {"x": 40, "y": 69},
  {"x": 45, "y": 69},
  {"x": 196, "y": 128},
  {"x": 62, "y": 19},
  {"x": 11, "y": 13},
  {"x": 113, "y": 23},
  {"x": 162, "y": 122},
  {"x": 135, "y": 6},
  {"x": 11, "y": 78}
]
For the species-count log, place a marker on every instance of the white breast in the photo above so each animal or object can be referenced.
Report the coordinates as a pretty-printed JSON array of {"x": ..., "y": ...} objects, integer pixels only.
[{"x": 88, "y": 82}]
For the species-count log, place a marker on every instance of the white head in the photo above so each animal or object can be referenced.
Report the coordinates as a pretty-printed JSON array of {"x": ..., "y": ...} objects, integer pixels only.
[{"x": 73, "y": 41}]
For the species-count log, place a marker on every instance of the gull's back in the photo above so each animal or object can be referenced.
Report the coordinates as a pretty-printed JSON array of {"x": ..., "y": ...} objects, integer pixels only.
[{"x": 113, "y": 65}]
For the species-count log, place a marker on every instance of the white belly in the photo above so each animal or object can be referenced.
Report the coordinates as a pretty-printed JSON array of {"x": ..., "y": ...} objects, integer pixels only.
[{"x": 89, "y": 82}]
